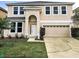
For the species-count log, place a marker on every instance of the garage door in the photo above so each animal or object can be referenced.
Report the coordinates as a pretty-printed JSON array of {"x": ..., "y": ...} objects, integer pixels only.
[{"x": 57, "y": 31}]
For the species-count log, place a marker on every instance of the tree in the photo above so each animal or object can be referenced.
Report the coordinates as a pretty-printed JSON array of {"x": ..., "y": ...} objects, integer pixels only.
[
  {"x": 75, "y": 17},
  {"x": 4, "y": 24}
]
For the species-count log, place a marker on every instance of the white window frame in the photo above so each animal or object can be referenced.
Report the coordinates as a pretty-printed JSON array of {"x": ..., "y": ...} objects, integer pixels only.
[
  {"x": 13, "y": 10},
  {"x": 18, "y": 10},
  {"x": 16, "y": 27},
  {"x": 53, "y": 10},
  {"x": 45, "y": 10},
  {"x": 61, "y": 9}
]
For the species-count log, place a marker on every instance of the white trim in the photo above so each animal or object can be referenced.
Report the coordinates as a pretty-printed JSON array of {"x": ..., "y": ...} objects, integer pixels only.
[
  {"x": 59, "y": 10},
  {"x": 12, "y": 10},
  {"x": 19, "y": 10},
  {"x": 57, "y": 21},
  {"x": 54, "y": 24},
  {"x": 70, "y": 31},
  {"x": 52, "y": 10},
  {"x": 16, "y": 27}
]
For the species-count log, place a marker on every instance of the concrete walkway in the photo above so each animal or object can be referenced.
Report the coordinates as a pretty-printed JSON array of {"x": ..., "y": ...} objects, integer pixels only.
[
  {"x": 33, "y": 40},
  {"x": 62, "y": 47}
]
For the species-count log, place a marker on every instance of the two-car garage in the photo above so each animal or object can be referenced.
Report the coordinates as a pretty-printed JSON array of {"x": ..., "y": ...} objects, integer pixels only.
[{"x": 57, "y": 30}]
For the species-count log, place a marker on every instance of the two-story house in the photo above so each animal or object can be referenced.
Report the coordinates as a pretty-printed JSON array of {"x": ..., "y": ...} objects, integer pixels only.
[{"x": 28, "y": 17}]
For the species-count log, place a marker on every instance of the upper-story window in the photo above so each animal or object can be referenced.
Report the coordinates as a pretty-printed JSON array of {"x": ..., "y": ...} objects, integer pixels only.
[
  {"x": 15, "y": 10},
  {"x": 63, "y": 8},
  {"x": 18, "y": 10},
  {"x": 55, "y": 10},
  {"x": 47, "y": 10},
  {"x": 21, "y": 10}
]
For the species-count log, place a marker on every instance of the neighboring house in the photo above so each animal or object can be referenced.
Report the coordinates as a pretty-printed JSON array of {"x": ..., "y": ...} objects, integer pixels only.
[
  {"x": 3, "y": 13},
  {"x": 75, "y": 17},
  {"x": 28, "y": 17}
]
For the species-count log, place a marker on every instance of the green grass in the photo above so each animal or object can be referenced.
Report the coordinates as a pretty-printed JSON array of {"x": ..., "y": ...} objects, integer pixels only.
[{"x": 22, "y": 49}]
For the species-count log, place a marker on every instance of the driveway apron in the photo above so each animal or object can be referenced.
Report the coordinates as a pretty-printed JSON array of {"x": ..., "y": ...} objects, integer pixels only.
[{"x": 62, "y": 47}]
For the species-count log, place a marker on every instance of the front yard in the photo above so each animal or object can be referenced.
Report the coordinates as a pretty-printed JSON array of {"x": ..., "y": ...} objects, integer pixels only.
[{"x": 22, "y": 49}]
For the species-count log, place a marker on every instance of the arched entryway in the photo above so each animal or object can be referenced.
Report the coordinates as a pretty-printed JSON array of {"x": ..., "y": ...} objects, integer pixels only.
[{"x": 32, "y": 23}]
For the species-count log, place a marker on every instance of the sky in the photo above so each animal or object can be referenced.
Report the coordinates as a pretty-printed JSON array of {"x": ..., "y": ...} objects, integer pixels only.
[{"x": 3, "y": 2}]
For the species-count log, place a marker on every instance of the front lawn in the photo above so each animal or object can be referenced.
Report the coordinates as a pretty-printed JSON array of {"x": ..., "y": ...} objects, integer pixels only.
[{"x": 22, "y": 49}]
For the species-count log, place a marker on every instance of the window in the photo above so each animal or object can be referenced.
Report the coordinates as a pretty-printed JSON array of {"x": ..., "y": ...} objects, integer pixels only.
[
  {"x": 55, "y": 10},
  {"x": 19, "y": 27},
  {"x": 13, "y": 26},
  {"x": 15, "y": 10},
  {"x": 63, "y": 10},
  {"x": 21, "y": 10},
  {"x": 47, "y": 10}
]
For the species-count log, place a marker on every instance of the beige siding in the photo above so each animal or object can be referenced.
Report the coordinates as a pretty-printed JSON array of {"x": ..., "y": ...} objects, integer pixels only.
[
  {"x": 10, "y": 12},
  {"x": 43, "y": 16},
  {"x": 57, "y": 17}
]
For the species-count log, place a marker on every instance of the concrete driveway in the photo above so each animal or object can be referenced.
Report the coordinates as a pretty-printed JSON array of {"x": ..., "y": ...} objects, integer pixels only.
[{"x": 62, "y": 47}]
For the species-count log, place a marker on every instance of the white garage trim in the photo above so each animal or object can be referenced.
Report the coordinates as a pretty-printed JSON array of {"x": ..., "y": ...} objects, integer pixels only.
[
  {"x": 70, "y": 31},
  {"x": 56, "y": 21}
]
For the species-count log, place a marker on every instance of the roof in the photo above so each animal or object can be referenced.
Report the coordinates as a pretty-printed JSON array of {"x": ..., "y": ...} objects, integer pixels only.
[
  {"x": 16, "y": 18},
  {"x": 3, "y": 10},
  {"x": 38, "y": 3}
]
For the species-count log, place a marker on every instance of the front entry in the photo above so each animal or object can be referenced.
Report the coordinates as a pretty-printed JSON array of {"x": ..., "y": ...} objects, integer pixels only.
[
  {"x": 33, "y": 30},
  {"x": 32, "y": 26}
]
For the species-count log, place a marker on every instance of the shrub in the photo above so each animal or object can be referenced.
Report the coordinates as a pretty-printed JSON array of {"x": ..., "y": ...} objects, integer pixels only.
[
  {"x": 22, "y": 36},
  {"x": 16, "y": 36},
  {"x": 2, "y": 36},
  {"x": 26, "y": 37},
  {"x": 75, "y": 32},
  {"x": 42, "y": 33},
  {"x": 41, "y": 37},
  {"x": 9, "y": 36},
  {"x": 36, "y": 38}
]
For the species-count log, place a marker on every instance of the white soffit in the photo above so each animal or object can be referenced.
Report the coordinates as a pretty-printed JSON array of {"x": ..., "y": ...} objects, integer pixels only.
[{"x": 56, "y": 21}]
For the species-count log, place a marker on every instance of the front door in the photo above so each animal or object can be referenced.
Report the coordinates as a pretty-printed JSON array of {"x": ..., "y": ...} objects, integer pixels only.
[{"x": 33, "y": 30}]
